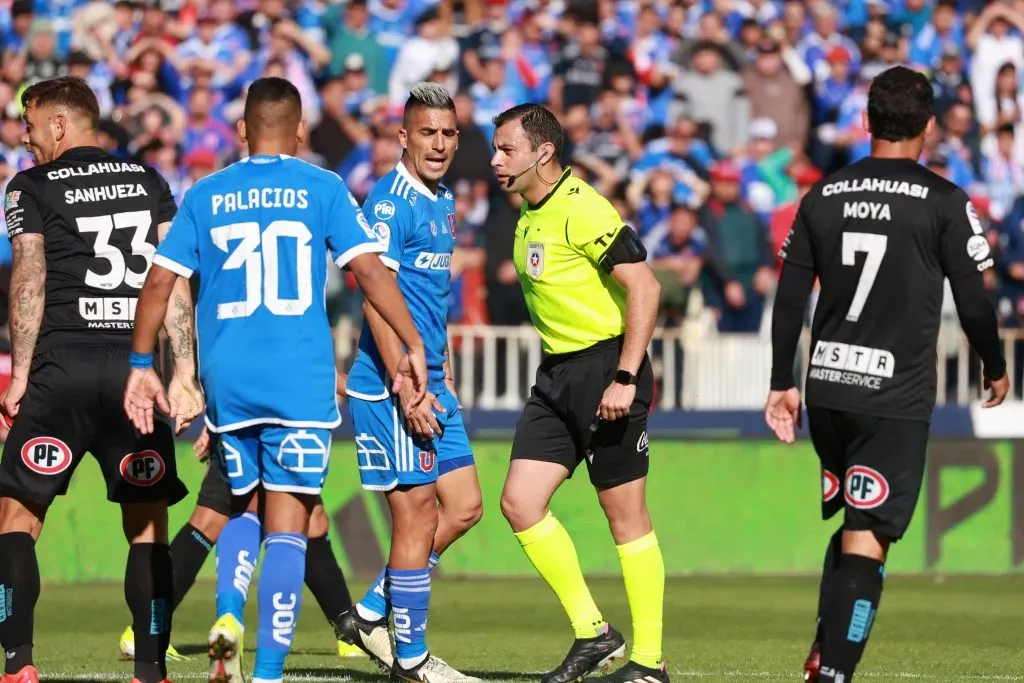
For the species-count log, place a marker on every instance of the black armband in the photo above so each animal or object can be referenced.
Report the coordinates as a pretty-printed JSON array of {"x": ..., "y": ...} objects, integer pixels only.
[{"x": 627, "y": 248}]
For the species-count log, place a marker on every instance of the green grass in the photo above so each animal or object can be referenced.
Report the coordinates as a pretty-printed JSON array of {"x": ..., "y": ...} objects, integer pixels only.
[{"x": 503, "y": 630}]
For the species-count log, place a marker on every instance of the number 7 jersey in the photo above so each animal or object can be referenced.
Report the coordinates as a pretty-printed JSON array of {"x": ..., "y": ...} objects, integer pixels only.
[
  {"x": 882, "y": 235},
  {"x": 259, "y": 234}
]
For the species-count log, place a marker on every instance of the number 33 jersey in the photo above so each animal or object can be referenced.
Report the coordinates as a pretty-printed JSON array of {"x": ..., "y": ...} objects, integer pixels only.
[
  {"x": 882, "y": 235},
  {"x": 259, "y": 234},
  {"x": 98, "y": 216}
]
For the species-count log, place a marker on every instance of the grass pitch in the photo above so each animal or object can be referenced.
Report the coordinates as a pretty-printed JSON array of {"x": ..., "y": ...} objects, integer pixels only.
[{"x": 716, "y": 629}]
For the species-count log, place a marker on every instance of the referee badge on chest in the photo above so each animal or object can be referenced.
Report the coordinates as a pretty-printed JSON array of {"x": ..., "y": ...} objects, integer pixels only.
[{"x": 535, "y": 259}]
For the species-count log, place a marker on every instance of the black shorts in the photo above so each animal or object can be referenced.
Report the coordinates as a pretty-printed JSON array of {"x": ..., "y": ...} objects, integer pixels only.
[
  {"x": 215, "y": 491},
  {"x": 555, "y": 424},
  {"x": 870, "y": 466},
  {"x": 75, "y": 403}
]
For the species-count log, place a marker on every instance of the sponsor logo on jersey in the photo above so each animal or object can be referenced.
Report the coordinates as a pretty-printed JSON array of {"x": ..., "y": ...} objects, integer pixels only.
[
  {"x": 433, "y": 228},
  {"x": 12, "y": 199},
  {"x": 94, "y": 169},
  {"x": 430, "y": 261},
  {"x": 46, "y": 455},
  {"x": 875, "y": 185},
  {"x": 535, "y": 259},
  {"x": 876, "y": 211},
  {"x": 829, "y": 485},
  {"x": 972, "y": 218},
  {"x": 384, "y": 210},
  {"x": 144, "y": 468},
  {"x": 451, "y": 224},
  {"x": 427, "y": 459},
  {"x": 977, "y": 248},
  {"x": 108, "y": 312},
  {"x": 850, "y": 364},
  {"x": 865, "y": 488}
]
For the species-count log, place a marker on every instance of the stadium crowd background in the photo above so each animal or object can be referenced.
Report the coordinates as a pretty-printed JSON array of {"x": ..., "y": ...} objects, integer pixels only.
[{"x": 703, "y": 120}]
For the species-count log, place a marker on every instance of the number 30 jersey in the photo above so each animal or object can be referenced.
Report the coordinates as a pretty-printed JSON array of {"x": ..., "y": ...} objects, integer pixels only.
[
  {"x": 98, "y": 216},
  {"x": 259, "y": 234},
  {"x": 882, "y": 235}
]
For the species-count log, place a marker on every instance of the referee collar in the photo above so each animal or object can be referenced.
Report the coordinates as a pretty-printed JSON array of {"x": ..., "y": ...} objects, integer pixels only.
[{"x": 565, "y": 174}]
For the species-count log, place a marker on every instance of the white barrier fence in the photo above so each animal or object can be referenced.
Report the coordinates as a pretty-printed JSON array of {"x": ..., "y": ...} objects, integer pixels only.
[{"x": 695, "y": 367}]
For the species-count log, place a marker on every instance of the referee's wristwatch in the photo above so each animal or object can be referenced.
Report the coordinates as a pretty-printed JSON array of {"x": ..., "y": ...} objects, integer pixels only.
[{"x": 625, "y": 377}]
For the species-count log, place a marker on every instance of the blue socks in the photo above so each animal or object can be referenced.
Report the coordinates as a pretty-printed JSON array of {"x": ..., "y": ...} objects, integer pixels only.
[
  {"x": 410, "y": 598},
  {"x": 238, "y": 551},
  {"x": 374, "y": 605},
  {"x": 280, "y": 598}
]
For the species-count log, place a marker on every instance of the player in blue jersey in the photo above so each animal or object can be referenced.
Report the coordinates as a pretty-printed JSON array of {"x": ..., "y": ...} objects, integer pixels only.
[
  {"x": 259, "y": 232},
  {"x": 416, "y": 452}
]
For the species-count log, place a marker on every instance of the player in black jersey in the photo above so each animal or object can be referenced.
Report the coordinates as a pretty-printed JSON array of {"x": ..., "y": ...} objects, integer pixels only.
[
  {"x": 880, "y": 235},
  {"x": 84, "y": 227}
]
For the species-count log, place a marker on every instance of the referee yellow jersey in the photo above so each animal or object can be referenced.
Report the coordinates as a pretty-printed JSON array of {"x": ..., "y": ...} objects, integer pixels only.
[{"x": 573, "y": 302}]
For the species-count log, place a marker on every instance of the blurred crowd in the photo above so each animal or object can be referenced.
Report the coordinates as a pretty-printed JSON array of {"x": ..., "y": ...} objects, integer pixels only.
[{"x": 703, "y": 120}]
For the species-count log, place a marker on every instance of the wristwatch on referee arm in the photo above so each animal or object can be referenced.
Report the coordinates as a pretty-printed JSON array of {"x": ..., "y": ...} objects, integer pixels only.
[{"x": 625, "y": 377}]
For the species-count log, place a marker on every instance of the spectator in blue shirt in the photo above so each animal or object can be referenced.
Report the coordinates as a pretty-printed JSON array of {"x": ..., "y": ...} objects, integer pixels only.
[{"x": 945, "y": 29}]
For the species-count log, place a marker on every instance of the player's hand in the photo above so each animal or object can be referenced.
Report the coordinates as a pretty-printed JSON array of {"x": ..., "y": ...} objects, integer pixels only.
[
  {"x": 144, "y": 388},
  {"x": 186, "y": 401},
  {"x": 616, "y": 402},
  {"x": 201, "y": 446},
  {"x": 782, "y": 413},
  {"x": 412, "y": 375},
  {"x": 1000, "y": 387},
  {"x": 10, "y": 404},
  {"x": 420, "y": 416}
]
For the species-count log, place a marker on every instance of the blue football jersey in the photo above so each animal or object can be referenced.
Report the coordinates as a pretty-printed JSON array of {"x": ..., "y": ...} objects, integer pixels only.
[
  {"x": 417, "y": 228},
  {"x": 259, "y": 233}
]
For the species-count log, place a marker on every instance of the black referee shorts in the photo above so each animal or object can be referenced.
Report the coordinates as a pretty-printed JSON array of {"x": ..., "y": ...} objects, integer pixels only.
[
  {"x": 75, "y": 403},
  {"x": 871, "y": 467},
  {"x": 555, "y": 424}
]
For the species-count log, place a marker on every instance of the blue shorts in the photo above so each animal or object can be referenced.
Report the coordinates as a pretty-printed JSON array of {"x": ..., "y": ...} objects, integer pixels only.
[
  {"x": 292, "y": 459},
  {"x": 389, "y": 456}
]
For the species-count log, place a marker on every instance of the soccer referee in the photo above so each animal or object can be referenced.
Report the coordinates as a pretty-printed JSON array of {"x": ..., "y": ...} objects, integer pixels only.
[{"x": 593, "y": 300}]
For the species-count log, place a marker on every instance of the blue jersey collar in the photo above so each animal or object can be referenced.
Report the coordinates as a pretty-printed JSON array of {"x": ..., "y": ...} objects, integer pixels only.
[{"x": 416, "y": 184}]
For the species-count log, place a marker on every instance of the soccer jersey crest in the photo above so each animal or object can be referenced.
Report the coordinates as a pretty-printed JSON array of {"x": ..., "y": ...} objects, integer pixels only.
[{"x": 535, "y": 259}]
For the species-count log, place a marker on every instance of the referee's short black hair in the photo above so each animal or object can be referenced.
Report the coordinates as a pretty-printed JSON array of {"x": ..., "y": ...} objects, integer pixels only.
[
  {"x": 539, "y": 124},
  {"x": 272, "y": 103},
  {"x": 66, "y": 92},
  {"x": 899, "y": 104}
]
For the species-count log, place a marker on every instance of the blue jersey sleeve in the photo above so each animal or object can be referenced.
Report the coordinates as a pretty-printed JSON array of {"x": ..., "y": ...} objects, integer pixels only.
[
  {"x": 179, "y": 250},
  {"x": 348, "y": 232},
  {"x": 393, "y": 219}
]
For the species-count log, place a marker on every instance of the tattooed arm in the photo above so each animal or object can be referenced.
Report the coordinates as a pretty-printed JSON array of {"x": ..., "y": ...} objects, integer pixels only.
[
  {"x": 28, "y": 295},
  {"x": 179, "y": 322}
]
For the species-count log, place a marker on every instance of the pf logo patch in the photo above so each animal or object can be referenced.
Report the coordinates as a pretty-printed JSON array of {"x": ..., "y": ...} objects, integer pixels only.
[
  {"x": 829, "y": 485},
  {"x": 865, "y": 488},
  {"x": 145, "y": 468},
  {"x": 535, "y": 259},
  {"x": 46, "y": 455}
]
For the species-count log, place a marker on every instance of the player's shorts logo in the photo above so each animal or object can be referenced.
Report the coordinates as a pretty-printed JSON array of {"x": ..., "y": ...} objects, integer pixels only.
[
  {"x": 829, "y": 485},
  {"x": 46, "y": 455},
  {"x": 865, "y": 488},
  {"x": 427, "y": 459},
  {"x": 144, "y": 468},
  {"x": 384, "y": 210},
  {"x": 642, "y": 443},
  {"x": 535, "y": 259}
]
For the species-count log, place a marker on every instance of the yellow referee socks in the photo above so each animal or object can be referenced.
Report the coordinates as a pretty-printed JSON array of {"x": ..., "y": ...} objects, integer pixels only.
[
  {"x": 552, "y": 552},
  {"x": 643, "y": 570}
]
